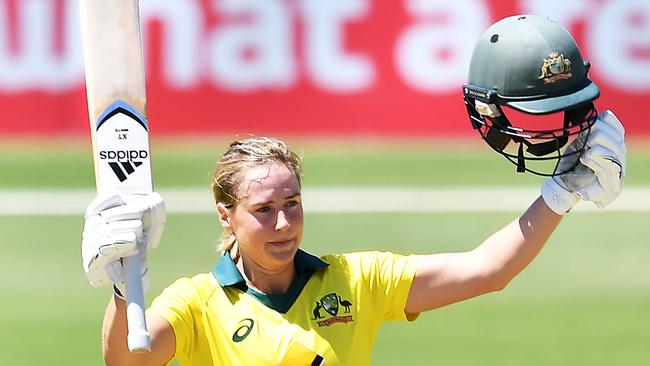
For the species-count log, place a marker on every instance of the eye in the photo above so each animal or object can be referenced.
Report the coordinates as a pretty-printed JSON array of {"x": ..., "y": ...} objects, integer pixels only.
[
  {"x": 263, "y": 209},
  {"x": 292, "y": 203}
]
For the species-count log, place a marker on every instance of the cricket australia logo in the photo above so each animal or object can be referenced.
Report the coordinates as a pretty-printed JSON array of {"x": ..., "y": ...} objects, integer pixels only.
[
  {"x": 555, "y": 67},
  {"x": 331, "y": 304}
]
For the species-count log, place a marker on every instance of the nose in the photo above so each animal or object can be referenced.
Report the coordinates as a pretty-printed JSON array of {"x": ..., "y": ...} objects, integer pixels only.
[{"x": 282, "y": 222}]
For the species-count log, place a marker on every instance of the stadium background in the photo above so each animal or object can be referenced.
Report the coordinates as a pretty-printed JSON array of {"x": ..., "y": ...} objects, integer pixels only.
[{"x": 369, "y": 92}]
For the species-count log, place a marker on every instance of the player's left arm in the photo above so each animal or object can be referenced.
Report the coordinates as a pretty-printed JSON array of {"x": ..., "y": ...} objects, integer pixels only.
[
  {"x": 443, "y": 279},
  {"x": 447, "y": 278}
]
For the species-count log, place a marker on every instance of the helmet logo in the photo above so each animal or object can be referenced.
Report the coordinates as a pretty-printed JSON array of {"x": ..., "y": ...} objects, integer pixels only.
[{"x": 555, "y": 67}]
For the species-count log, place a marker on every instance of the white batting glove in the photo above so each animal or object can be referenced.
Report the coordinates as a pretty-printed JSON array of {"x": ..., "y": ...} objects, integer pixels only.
[
  {"x": 599, "y": 175},
  {"x": 120, "y": 226}
]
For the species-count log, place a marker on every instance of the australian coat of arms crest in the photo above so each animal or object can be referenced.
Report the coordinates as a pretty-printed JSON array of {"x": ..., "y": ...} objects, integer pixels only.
[
  {"x": 555, "y": 67},
  {"x": 330, "y": 303}
]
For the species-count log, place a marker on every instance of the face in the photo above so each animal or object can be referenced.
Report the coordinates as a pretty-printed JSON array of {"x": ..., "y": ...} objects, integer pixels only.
[{"x": 268, "y": 218}]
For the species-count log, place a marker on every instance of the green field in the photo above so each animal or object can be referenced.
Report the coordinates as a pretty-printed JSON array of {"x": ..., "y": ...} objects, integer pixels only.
[{"x": 584, "y": 301}]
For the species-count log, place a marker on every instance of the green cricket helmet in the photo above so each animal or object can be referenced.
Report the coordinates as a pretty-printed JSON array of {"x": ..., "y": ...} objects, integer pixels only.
[{"x": 530, "y": 64}]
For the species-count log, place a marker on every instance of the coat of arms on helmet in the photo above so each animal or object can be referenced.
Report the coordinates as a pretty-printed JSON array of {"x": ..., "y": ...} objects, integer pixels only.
[{"x": 555, "y": 67}]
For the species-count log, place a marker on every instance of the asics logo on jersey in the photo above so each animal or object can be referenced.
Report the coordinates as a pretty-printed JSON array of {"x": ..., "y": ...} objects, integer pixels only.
[{"x": 245, "y": 328}]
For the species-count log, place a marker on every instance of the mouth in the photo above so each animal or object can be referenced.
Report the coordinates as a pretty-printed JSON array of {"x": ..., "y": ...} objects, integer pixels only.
[{"x": 281, "y": 243}]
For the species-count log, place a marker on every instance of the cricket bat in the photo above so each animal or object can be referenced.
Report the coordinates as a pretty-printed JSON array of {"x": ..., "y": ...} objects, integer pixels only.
[{"x": 115, "y": 86}]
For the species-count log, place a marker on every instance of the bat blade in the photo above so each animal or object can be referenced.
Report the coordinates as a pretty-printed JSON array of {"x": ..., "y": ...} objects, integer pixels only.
[
  {"x": 115, "y": 87},
  {"x": 121, "y": 151}
]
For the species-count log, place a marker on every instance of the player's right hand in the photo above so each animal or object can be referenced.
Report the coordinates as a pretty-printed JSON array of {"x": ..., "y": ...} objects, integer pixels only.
[
  {"x": 599, "y": 175},
  {"x": 119, "y": 226}
]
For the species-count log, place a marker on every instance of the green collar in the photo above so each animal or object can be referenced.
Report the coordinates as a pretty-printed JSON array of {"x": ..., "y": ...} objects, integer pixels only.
[{"x": 228, "y": 275}]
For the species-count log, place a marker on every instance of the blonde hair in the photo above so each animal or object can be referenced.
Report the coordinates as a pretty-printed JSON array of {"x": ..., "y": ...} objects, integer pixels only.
[{"x": 240, "y": 156}]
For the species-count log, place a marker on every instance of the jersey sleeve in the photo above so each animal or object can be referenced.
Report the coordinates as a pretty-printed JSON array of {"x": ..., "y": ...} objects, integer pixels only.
[
  {"x": 388, "y": 279},
  {"x": 175, "y": 304}
]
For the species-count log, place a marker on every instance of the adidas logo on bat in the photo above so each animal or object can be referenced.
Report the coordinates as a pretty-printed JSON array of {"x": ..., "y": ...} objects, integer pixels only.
[
  {"x": 121, "y": 155},
  {"x": 122, "y": 169},
  {"x": 125, "y": 164}
]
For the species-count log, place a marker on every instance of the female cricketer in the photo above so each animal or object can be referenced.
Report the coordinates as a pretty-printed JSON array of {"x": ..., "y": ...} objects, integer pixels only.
[{"x": 267, "y": 302}]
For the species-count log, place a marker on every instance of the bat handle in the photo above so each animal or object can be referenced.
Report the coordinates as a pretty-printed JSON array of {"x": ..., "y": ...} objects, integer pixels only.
[{"x": 138, "y": 337}]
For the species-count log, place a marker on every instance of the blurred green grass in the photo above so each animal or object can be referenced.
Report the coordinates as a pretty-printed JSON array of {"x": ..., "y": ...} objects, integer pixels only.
[
  {"x": 584, "y": 301},
  {"x": 421, "y": 163}
]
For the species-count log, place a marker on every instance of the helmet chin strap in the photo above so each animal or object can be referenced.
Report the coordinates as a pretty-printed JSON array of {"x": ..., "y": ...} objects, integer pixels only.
[
  {"x": 538, "y": 149},
  {"x": 521, "y": 162}
]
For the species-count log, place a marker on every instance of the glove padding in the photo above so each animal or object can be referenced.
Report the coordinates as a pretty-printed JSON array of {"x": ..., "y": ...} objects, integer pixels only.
[
  {"x": 599, "y": 175},
  {"x": 119, "y": 226}
]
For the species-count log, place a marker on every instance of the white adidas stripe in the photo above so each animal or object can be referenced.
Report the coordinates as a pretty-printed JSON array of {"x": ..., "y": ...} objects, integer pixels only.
[{"x": 327, "y": 200}]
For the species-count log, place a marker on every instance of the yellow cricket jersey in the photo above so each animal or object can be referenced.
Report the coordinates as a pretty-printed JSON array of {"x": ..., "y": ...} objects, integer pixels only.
[{"x": 329, "y": 316}]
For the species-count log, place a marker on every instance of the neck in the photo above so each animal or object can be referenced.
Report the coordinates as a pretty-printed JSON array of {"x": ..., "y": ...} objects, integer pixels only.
[{"x": 264, "y": 280}]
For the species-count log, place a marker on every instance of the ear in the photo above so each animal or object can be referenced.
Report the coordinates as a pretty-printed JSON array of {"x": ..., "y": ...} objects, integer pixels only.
[{"x": 224, "y": 217}]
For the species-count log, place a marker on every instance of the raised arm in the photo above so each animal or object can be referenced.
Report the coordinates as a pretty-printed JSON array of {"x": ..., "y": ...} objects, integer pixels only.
[
  {"x": 443, "y": 279},
  {"x": 116, "y": 227},
  {"x": 114, "y": 345}
]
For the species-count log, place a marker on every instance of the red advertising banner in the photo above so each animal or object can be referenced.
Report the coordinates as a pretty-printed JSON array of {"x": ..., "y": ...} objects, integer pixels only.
[{"x": 312, "y": 67}]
